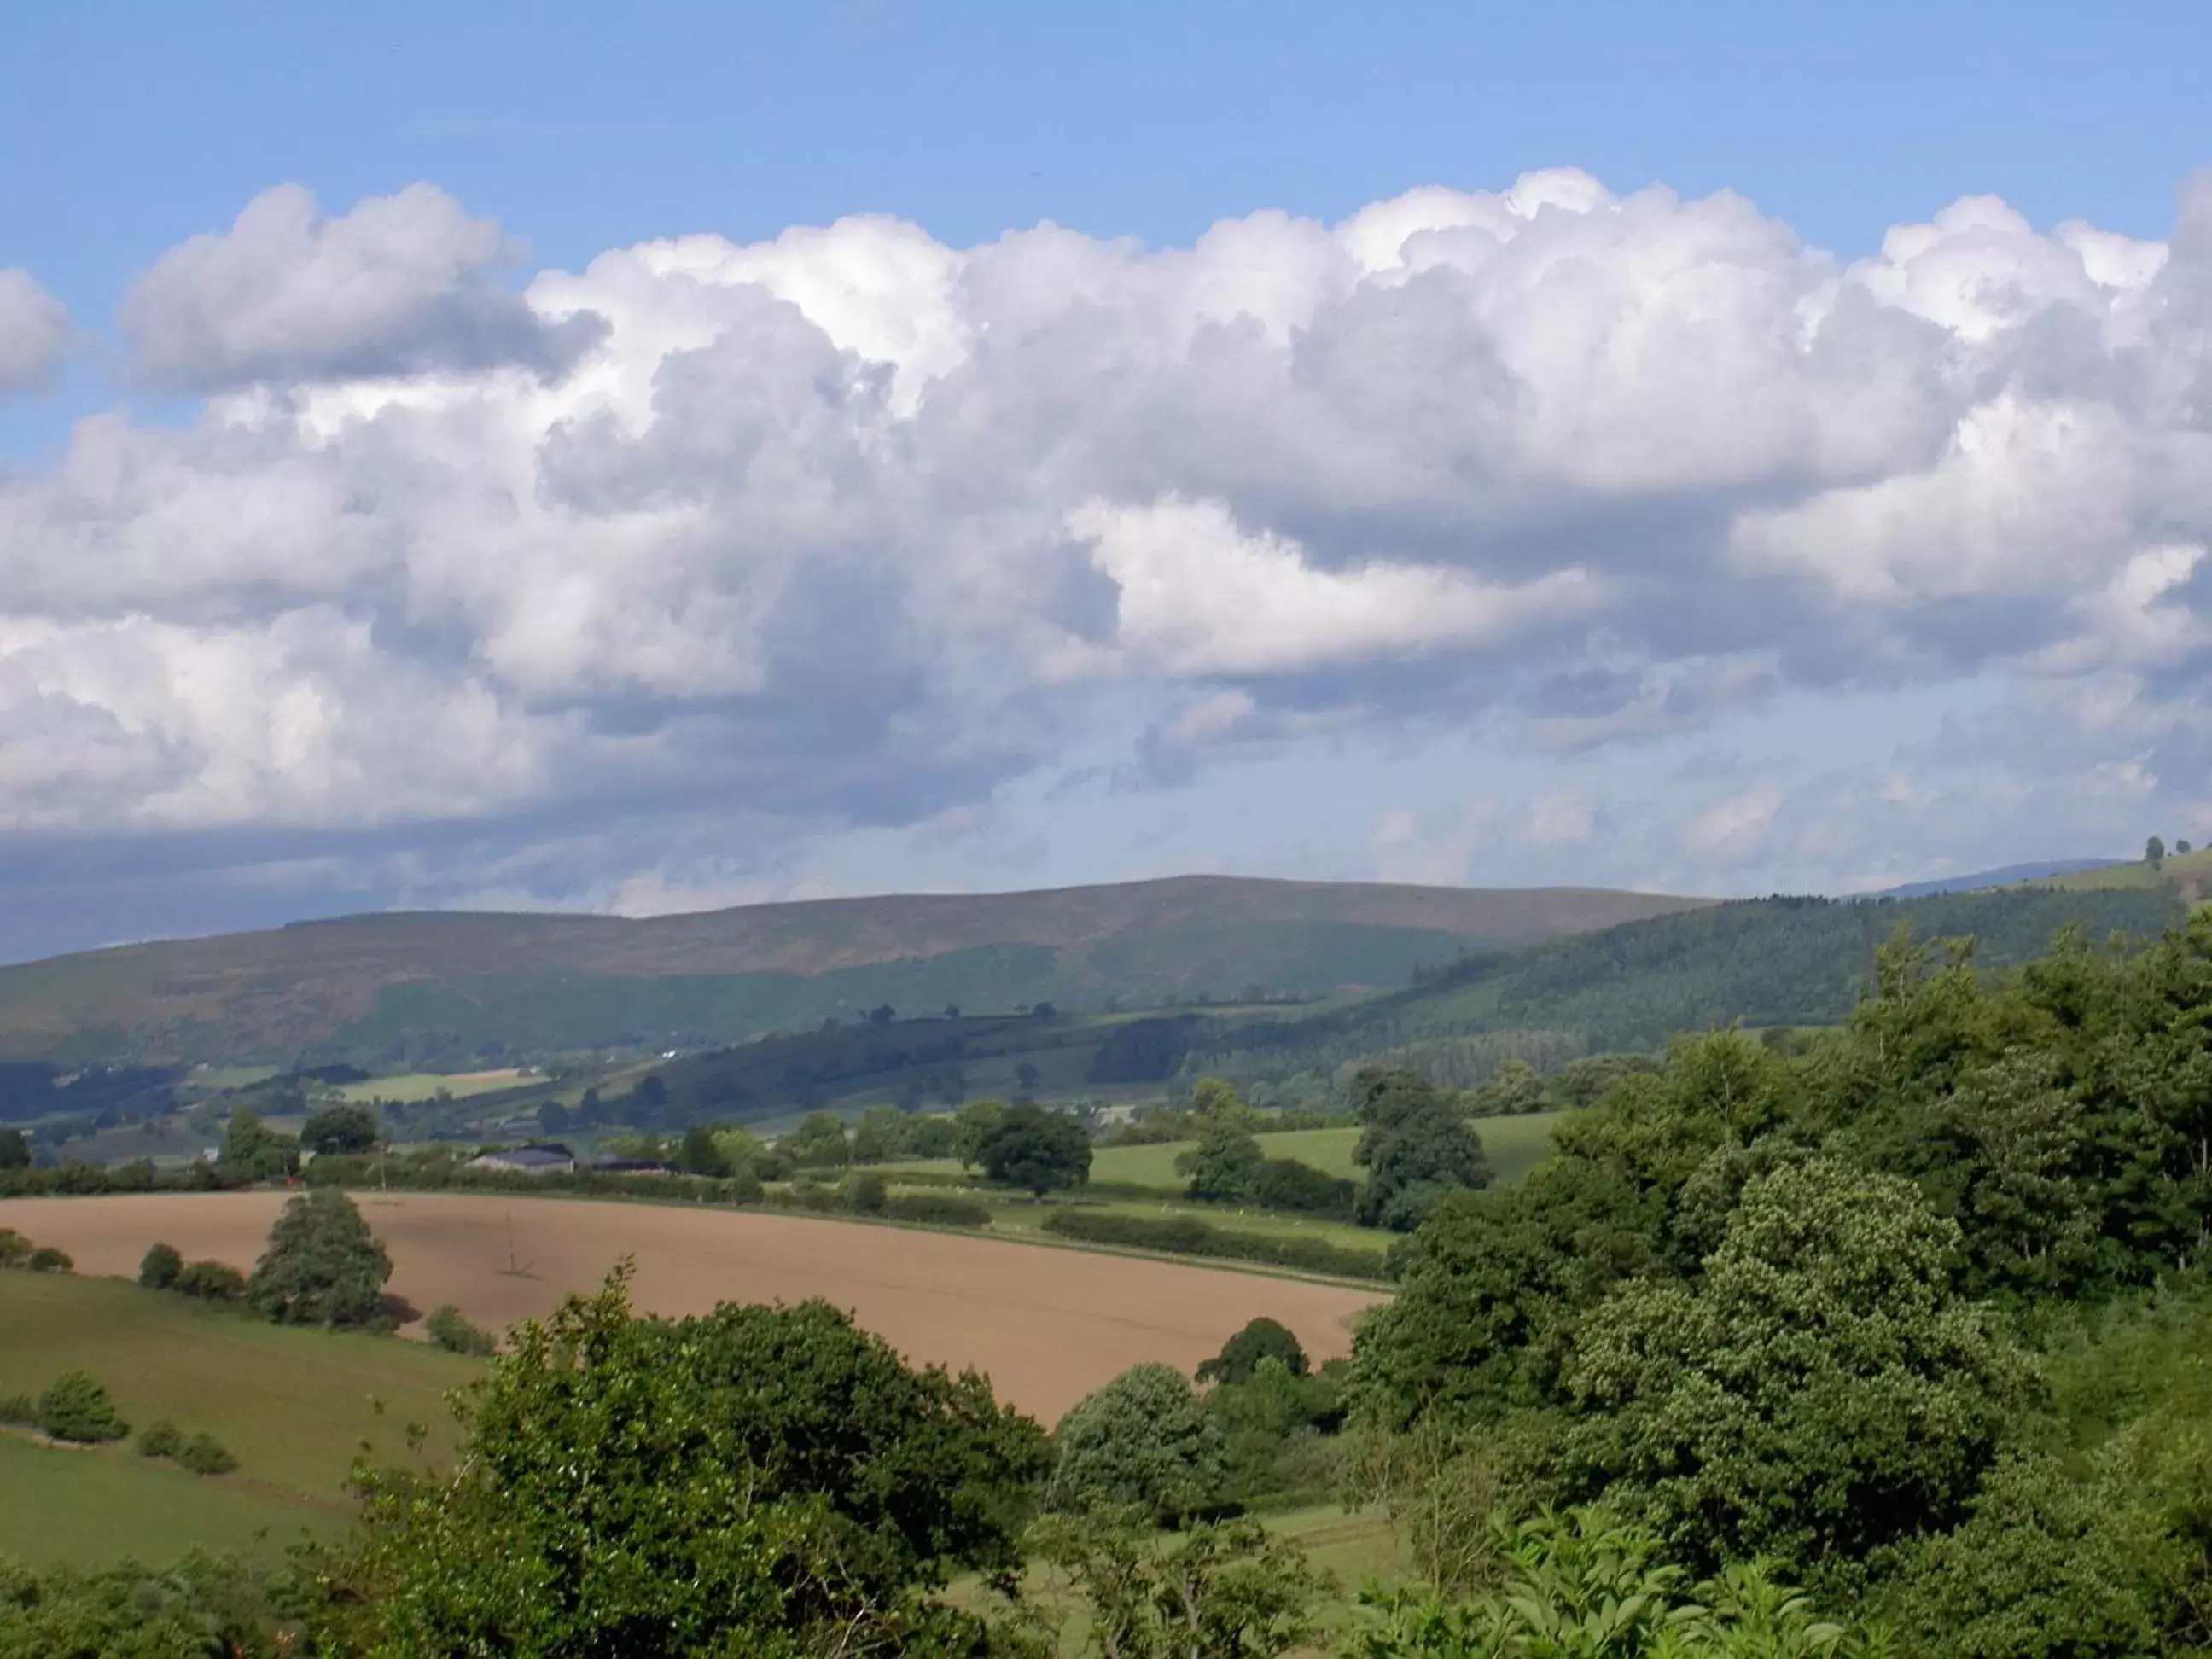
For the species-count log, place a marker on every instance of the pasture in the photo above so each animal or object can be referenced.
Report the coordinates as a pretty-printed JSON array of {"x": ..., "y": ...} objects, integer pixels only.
[
  {"x": 1046, "y": 1326},
  {"x": 1515, "y": 1145},
  {"x": 412, "y": 1088},
  {"x": 293, "y": 1405}
]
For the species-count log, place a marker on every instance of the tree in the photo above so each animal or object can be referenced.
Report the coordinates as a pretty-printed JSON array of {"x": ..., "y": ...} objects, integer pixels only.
[
  {"x": 1283, "y": 1184},
  {"x": 700, "y": 1154},
  {"x": 1415, "y": 1147},
  {"x": 159, "y": 1268},
  {"x": 880, "y": 1135},
  {"x": 1145, "y": 1441},
  {"x": 973, "y": 1124},
  {"x": 1226, "y": 1164},
  {"x": 882, "y": 1014},
  {"x": 952, "y": 1010},
  {"x": 76, "y": 1408},
  {"x": 250, "y": 1145},
  {"x": 340, "y": 1129},
  {"x": 1231, "y": 1590},
  {"x": 322, "y": 1266},
  {"x": 2180, "y": 847},
  {"x": 1262, "y": 1339},
  {"x": 14, "y": 1150},
  {"x": 2154, "y": 852},
  {"x": 203, "y": 1605},
  {"x": 760, "y": 1481},
  {"x": 1820, "y": 1392},
  {"x": 1037, "y": 1150},
  {"x": 818, "y": 1143}
]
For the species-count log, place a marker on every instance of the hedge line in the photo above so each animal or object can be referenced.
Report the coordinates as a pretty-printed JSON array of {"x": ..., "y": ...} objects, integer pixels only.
[{"x": 1184, "y": 1236}]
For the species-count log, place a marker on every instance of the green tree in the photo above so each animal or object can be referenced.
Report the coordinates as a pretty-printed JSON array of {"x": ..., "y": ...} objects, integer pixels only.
[
  {"x": 973, "y": 1124},
  {"x": 766, "y": 1481},
  {"x": 250, "y": 1145},
  {"x": 1820, "y": 1392},
  {"x": 818, "y": 1143},
  {"x": 1037, "y": 1150},
  {"x": 1262, "y": 1339},
  {"x": 322, "y": 1266},
  {"x": 77, "y": 1408},
  {"x": 1230, "y": 1590},
  {"x": 447, "y": 1328},
  {"x": 158, "y": 1269},
  {"x": 340, "y": 1129},
  {"x": 1145, "y": 1441},
  {"x": 1226, "y": 1163},
  {"x": 880, "y": 1135},
  {"x": 700, "y": 1154},
  {"x": 14, "y": 1150},
  {"x": 1415, "y": 1147},
  {"x": 2154, "y": 852},
  {"x": 202, "y": 1605}
]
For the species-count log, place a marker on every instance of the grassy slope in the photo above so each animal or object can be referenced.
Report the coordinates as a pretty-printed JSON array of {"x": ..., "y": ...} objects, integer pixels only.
[
  {"x": 294, "y": 1405},
  {"x": 1515, "y": 1145},
  {"x": 276, "y": 994},
  {"x": 2189, "y": 874}
]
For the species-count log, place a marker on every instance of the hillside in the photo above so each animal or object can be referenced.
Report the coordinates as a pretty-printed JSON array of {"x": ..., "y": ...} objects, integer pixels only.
[
  {"x": 2005, "y": 875},
  {"x": 2187, "y": 875},
  {"x": 1775, "y": 961},
  {"x": 446, "y": 989}
]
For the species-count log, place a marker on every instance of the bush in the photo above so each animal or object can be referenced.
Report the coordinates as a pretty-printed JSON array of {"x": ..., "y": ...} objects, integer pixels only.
[
  {"x": 1283, "y": 1184},
  {"x": 1145, "y": 1441},
  {"x": 77, "y": 1408},
  {"x": 205, "y": 1455},
  {"x": 447, "y": 1329},
  {"x": 14, "y": 1249},
  {"x": 159, "y": 1268},
  {"x": 1240, "y": 1357},
  {"x": 937, "y": 1210},
  {"x": 48, "y": 1260},
  {"x": 161, "y": 1438},
  {"x": 866, "y": 1193},
  {"x": 211, "y": 1281},
  {"x": 18, "y": 1410},
  {"x": 1184, "y": 1236}
]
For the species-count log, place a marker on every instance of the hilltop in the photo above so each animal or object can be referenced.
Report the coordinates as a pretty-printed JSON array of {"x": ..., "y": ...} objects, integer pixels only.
[{"x": 447, "y": 989}]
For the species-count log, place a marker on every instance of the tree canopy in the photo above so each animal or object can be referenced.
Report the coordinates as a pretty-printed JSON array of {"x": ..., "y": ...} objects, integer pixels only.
[
  {"x": 322, "y": 1266},
  {"x": 1035, "y": 1148}
]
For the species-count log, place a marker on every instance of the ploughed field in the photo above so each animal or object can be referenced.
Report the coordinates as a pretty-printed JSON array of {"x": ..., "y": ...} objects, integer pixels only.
[{"x": 1046, "y": 1325}]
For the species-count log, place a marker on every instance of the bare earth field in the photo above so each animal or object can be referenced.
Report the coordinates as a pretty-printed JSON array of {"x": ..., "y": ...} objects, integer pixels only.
[{"x": 1046, "y": 1326}]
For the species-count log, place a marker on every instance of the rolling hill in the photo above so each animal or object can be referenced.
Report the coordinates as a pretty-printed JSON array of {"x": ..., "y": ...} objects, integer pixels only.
[{"x": 446, "y": 989}]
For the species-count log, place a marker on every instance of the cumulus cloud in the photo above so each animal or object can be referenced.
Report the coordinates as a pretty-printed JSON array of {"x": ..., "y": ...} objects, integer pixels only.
[
  {"x": 34, "y": 332},
  {"x": 402, "y": 285},
  {"x": 853, "y": 528}
]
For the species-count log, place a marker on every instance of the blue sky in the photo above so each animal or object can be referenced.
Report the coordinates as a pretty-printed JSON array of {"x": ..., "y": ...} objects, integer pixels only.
[{"x": 1048, "y": 594}]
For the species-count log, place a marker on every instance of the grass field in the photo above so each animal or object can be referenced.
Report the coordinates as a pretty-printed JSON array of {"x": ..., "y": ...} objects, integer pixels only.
[
  {"x": 409, "y": 1088},
  {"x": 2189, "y": 874},
  {"x": 1048, "y": 1326},
  {"x": 294, "y": 1405},
  {"x": 1515, "y": 1145}
]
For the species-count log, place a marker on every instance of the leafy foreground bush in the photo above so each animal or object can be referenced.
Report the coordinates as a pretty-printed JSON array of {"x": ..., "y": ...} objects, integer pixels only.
[
  {"x": 48, "y": 1260},
  {"x": 1145, "y": 1443},
  {"x": 205, "y": 1455},
  {"x": 1186, "y": 1236},
  {"x": 447, "y": 1329},
  {"x": 77, "y": 1408},
  {"x": 1581, "y": 1586},
  {"x": 202, "y": 1605},
  {"x": 161, "y": 1438},
  {"x": 769, "y": 1481},
  {"x": 210, "y": 1281},
  {"x": 158, "y": 1271}
]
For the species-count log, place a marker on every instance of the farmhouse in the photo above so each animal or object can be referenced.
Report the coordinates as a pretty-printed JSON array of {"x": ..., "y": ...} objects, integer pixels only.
[{"x": 549, "y": 1159}]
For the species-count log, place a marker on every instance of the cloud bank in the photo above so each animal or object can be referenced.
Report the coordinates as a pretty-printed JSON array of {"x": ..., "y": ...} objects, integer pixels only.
[{"x": 851, "y": 528}]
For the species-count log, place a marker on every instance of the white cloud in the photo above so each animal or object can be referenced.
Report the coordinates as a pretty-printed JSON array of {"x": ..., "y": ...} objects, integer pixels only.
[
  {"x": 35, "y": 333},
  {"x": 1737, "y": 826}
]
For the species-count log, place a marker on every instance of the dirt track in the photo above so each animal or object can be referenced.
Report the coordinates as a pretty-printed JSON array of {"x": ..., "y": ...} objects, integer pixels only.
[{"x": 1046, "y": 1325}]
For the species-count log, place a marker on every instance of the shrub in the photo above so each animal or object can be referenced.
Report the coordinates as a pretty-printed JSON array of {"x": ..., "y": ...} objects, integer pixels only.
[
  {"x": 447, "y": 1329},
  {"x": 205, "y": 1455},
  {"x": 1185, "y": 1236},
  {"x": 322, "y": 1266},
  {"x": 1240, "y": 1357},
  {"x": 14, "y": 1249},
  {"x": 937, "y": 1210},
  {"x": 48, "y": 1260},
  {"x": 161, "y": 1438},
  {"x": 211, "y": 1281},
  {"x": 159, "y": 1268},
  {"x": 1145, "y": 1441},
  {"x": 19, "y": 1410},
  {"x": 1283, "y": 1184},
  {"x": 866, "y": 1193},
  {"x": 77, "y": 1408}
]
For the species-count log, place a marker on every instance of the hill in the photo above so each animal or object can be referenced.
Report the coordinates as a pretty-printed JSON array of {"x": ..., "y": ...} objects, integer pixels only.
[
  {"x": 446, "y": 990},
  {"x": 1774, "y": 962},
  {"x": 2006, "y": 875},
  {"x": 2186, "y": 875}
]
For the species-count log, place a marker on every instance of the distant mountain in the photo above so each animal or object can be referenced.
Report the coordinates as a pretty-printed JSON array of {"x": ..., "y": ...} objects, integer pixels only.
[
  {"x": 2003, "y": 875},
  {"x": 448, "y": 988}
]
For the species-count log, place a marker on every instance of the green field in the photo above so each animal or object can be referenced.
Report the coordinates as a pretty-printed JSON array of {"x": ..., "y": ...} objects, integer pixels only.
[
  {"x": 2188, "y": 873},
  {"x": 294, "y": 1405},
  {"x": 1515, "y": 1145},
  {"x": 409, "y": 1088}
]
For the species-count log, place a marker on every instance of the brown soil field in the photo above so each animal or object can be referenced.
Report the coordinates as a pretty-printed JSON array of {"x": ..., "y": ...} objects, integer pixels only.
[{"x": 1047, "y": 1325}]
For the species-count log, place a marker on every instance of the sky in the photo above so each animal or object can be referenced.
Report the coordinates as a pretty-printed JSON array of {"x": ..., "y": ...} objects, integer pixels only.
[{"x": 549, "y": 457}]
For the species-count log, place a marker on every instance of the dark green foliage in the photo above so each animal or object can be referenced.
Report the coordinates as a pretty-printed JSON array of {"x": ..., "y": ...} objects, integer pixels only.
[
  {"x": 211, "y": 1281},
  {"x": 199, "y": 1608},
  {"x": 159, "y": 1268},
  {"x": 340, "y": 1129},
  {"x": 322, "y": 1266},
  {"x": 161, "y": 1438},
  {"x": 866, "y": 1193},
  {"x": 77, "y": 1407},
  {"x": 933, "y": 1210},
  {"x": 1144, "y": 1442},
  {"x": 49, "y": 1259},
  {"x": 256, "y": 1152},
  {"x": 1144, "y": 1050},
  {"x": 1229, "y": 1590},
  {"x": 819, "y": 1143},
  {"x": 1283, "y": 1184},
  {"x": 1263, "y": 1338},
  {"x": 448, "y": 1329},
  {"x": 699, "y": 1155},
  {"x": 1225, "y": 1164},
  {"x": 204, "y": 1455},
  {"x": 19, "y": 1410},
  {"x": 761, "y": 1481},
  {"x": 14, "y": 1150},
  {"x": 14, "y": 1249},
  {"x": 1035, "y": 1148},
  {"x": 1186, "y": 1235},
  {"x": 1417, "y": 1147}
]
